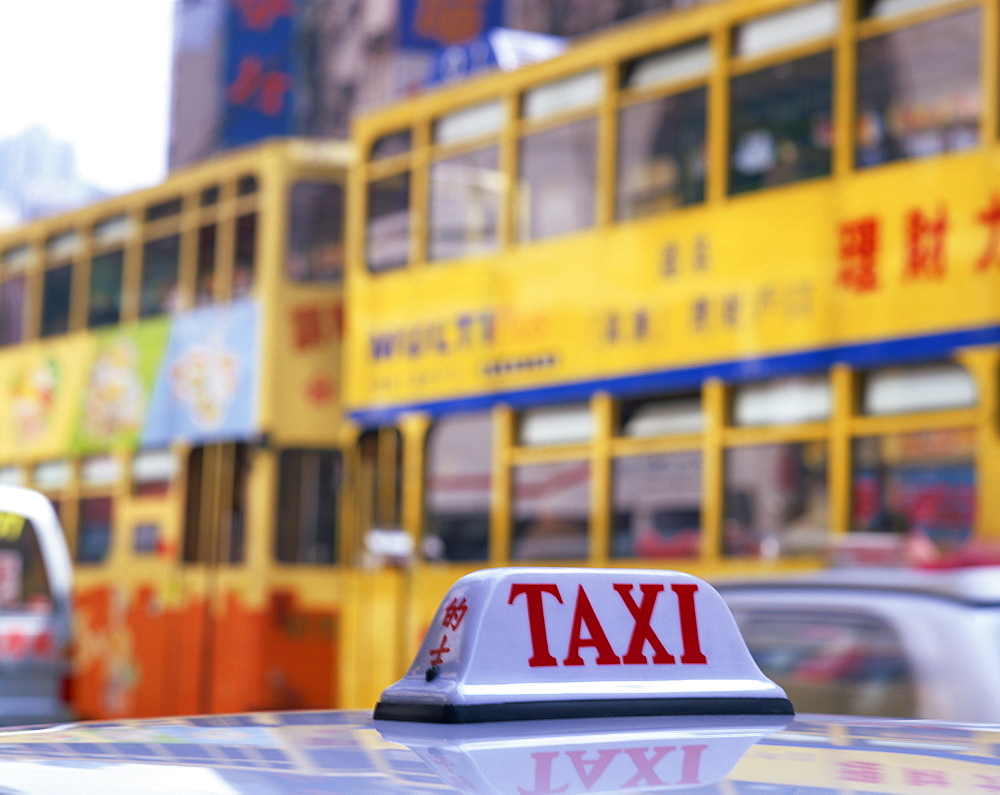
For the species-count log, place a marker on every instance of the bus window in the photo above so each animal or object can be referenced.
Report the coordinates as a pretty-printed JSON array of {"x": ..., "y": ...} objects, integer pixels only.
[
  {"x": 106, "y": 277},
  {"x": 164, "y": 209},
  {"x": 204, "y": 292},
  {"x": 557, "y": 180},
  {"x": 661, "y": 416},
  {"x": 551, "y": 507},
  {"x": 918, "y": 90},
  {"x": 465, "y": 201},
  {"x": 93, "y": 538},
  {"x": 918, "y": 482},
  {"x": 308, "y": 506},
  {"x": 661, "y": 141},
  {"x": 388, "y": 226},
  {"x": 153, "y": 472},
  {"x": 780, "y": 127},
  {"x": 557, "y": 167},
  {"x": 656, "y": 500},
  {"x": 776, "y": 500},
  {"x": 661, "y": 154},
  {"x": 24, "y": 579},
  {"x": 215, "y": 513},
  {"x": 458, "y": 487},
  {"x": 783, "y": 401},
  {"x": 562, "y": 424},
  {"x": 316, "y": 232},
  {"x": 13, "y": 292},
  {"x": 56, "y": 285},
  {"x": 924, "y": 387},
  {"x": 160, "y": 265},
  {"x": 380, "y": 486},
  {"x": 14, "y": 262},
  {"x": 246, "y": 255}
]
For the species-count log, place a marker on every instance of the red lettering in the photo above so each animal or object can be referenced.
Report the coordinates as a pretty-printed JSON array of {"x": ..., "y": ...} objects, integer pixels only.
[
  {"x": 540, "y": 655},
  {"x": 589, "y": 771},
  {"x": 543, "y": 774},
  {"x": 642, "y": 631},
  {"x": 691, "y": 763},
  {"x": 584, "y": 614},
  {"x": 689, "y": 623},
  {"x": 645, "y": 768}
]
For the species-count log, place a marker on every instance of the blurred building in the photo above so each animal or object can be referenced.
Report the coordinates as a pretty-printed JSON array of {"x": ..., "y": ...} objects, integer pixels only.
[
  {"x": 245, "y": 70},
  {"x": 38, "y": 177}
]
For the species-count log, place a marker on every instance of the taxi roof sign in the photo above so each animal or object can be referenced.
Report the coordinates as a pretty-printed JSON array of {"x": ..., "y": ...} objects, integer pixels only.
[{"x": 531, "y": 643}]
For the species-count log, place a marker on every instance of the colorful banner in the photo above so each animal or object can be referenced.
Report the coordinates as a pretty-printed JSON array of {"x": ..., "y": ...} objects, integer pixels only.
[
  {"x": 118, "y": 386},
  {"x": 39, "y": 397},
  {"x": 207, "y": 387}
]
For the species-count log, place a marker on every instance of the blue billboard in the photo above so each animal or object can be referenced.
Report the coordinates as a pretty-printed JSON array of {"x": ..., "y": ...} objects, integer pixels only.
[{"x": 258, "y": 71}]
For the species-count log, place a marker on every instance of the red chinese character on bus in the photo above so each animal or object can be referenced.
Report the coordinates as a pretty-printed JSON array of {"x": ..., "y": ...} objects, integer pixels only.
[
  {"x": 264, "y": 90},
  {"x": 454, "y": 613},
  {"x": 449, "y": 21},
  {"x": 859, "y": 254},
  {"x": 260, "y": 14},
  {"x": 990, "y": 218},
  {"x": 314, "y": 324},
  {"x": 925, "y": 244}
]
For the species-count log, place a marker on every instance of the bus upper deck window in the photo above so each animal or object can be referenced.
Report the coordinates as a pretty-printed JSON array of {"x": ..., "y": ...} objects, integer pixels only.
[
  {"x": 661, "y": 141},
  {"x": 467, "y": 188},
  {"x": 246, "y": 185},
  {"x": 160, "y": 267},
  {"x": 14, "y": 262},
  {"x": 56, "y": 285},
  {"x": 60, "y": 251},
  {"x": 316, "y": 232},
  {"x": 245, "y": 265},
  {"x": 919, "y": 90},
  {"x": 205, "y": 283},
  {"x": 389, "y": 218},
  {"x": 465, "y": 200},
  {"x": 557, "y": 174},
  {"x": 780, "y": 126},
  {"x": 396, "y": 143},
  {"x": 164, "y": 209},
  {"x": 209, "y": 196},
  {"x": 781, "y": 115},
  {"x": 112, "y": 231},
  {"x": 105, "y": 297}
]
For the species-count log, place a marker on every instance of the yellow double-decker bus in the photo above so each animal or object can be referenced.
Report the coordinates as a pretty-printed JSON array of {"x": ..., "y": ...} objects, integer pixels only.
[
  {"x": 712, "y": 290},
  {"x": 170, "y": 377}
]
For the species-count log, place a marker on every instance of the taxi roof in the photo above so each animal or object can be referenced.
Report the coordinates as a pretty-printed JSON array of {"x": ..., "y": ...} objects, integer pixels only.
[{"x": 350, "y": 752}]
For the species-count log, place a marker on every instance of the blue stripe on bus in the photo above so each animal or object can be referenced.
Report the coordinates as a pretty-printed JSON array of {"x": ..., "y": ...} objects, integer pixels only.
[{"x": 862, "y": 355}]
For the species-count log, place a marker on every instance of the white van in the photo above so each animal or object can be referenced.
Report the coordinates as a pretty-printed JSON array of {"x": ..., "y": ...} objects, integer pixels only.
[{"x": 36, "y": 578}]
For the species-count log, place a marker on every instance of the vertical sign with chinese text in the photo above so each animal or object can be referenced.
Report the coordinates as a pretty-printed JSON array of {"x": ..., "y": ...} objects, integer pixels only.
[{"x": 259, "y": 71}]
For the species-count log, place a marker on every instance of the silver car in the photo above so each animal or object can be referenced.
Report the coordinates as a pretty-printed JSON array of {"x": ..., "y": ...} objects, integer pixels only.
[
  {"x": 883, "y": 642},
  {"x": 35, "y": 610}
]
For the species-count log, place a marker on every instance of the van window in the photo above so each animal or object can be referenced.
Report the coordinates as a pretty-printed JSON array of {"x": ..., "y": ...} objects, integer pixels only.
[{"x": 24, "y": 582}]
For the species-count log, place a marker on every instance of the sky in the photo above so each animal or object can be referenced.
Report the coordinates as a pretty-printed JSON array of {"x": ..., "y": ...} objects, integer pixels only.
[{"x": 95, "y": 73}]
